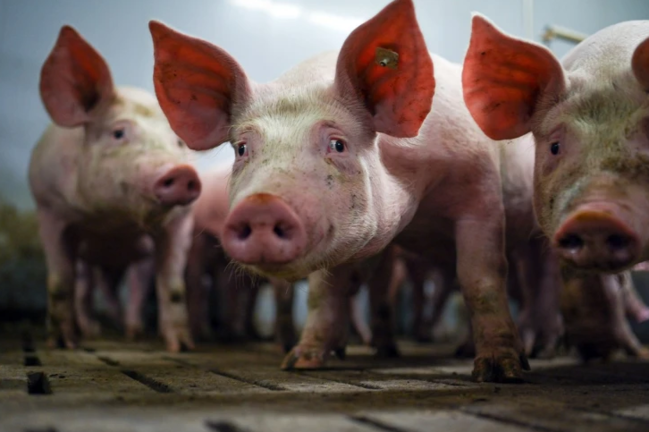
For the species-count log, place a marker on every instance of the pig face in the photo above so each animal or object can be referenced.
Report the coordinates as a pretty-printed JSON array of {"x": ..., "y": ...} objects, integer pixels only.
[
  {"x": 128, "y": 160},
  {"x": 307, "y": 183},
  {"x": 591, "y": 130}
]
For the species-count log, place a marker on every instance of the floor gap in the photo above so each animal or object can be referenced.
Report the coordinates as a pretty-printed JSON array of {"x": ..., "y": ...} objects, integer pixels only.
[
  {"x": 258, "y": 383},
  {"x": 38, "y": 384},
  {"x": 153, "y": 384}
]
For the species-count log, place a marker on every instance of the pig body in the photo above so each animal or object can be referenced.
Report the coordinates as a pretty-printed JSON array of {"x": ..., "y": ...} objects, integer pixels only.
[
  {"x": 106, "y": 175},
  {"x": 341, "y": 156}
]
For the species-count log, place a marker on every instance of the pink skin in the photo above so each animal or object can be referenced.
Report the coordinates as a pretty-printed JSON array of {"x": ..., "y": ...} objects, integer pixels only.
[
  {"x": 588, "y": 117},
  {"x": 94, "y": 174},
  {"x": 366, "y": 162},
  {"x": 207, "y": 262}
]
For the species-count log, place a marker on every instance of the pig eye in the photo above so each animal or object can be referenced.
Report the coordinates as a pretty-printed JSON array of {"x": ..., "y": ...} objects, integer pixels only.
[
  {"x": 554, "y": 148},
  {"x": 118, "y": 134},
  {"x": 242, "y": 149},
  {"x": 180, "y": 143},
  {"x": 337, "y": 145}
]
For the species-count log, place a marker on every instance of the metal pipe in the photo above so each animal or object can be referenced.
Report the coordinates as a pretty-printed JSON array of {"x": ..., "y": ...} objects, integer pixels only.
[{"x": 558, "y": 32}]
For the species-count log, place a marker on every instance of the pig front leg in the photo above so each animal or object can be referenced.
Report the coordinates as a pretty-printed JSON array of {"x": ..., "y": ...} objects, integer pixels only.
[
  {"x": 138, "y": 277},
  {"x": 197, "y": 288},
  {"x": 381, "y": 308},
  {"x": 328, "y": 319},
  {"x": 284, "y": 328},
  {"x": 482, "y": 270},
  {"x": 171, "y": 249},
  {"x": 60, "y": 257},
  {"x": 633, "y": 304}
]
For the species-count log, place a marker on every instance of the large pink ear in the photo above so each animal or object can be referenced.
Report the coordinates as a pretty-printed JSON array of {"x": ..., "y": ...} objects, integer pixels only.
[
  {"x": 384, "y": 63},
  {"x": 504, "y": 79},
  {"x": 640, "y": 64},
  {"x": 75, "y": 80},
  {"x": 198, "y": 85}
]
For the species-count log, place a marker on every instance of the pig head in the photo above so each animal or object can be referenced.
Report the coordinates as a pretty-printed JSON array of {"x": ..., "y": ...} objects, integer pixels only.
[
  {"x": 308, "y": 188},
  {"x": 590, "y": 119}
]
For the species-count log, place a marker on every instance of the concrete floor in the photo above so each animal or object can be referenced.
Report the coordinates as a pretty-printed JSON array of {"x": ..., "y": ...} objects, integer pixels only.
[{"x": 115, "y": 386}]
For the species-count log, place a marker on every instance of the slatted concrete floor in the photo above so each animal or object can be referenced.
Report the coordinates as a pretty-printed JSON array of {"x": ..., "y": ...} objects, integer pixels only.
[{"x": 115, "y": 386}]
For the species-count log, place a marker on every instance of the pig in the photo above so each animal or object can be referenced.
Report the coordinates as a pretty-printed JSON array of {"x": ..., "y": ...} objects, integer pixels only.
[
  {"x": 238, "y": 292},
  {"x": 107, "y": 173},
  {"x": 588, "y": 119},
  {"x": 341, "y": 156}
]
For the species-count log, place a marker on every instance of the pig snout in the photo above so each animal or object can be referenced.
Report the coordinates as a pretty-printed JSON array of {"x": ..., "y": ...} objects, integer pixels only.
[
  {"x": 179, "y": 185},
  {"x": 263, "y": 229},
  {"x": 596, "y": 237}
]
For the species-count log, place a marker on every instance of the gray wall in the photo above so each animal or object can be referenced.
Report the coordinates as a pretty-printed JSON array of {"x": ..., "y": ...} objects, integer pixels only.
[{"x": 266, "y": 40}]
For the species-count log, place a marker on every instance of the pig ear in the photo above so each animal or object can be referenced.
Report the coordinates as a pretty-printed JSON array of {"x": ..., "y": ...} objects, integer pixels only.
[
  {"x": 75, "y": 80},
  {"x": 385, "y": 65},
  {"x": 198, "y": 85},
  {"x": 640, "y": 64},
  {"x": 504, "y": 79}
]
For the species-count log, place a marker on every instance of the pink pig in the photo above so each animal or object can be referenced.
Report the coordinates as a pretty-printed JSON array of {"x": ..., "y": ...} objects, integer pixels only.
[
  {"x": 107, "y": 174},
  {"x": 589, "y": 119},
  {"x": 341, "y": 156}
]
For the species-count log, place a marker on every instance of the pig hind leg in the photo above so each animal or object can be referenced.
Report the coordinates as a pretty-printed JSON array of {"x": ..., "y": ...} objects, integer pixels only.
[{"x": 60, "y": 248}]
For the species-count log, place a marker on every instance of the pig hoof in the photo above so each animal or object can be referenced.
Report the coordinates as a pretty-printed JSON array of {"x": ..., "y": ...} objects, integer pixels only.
[
  {"x": 341, "y": 353},
  {"x": 303, "y": 359},
  {"x": 389, "y": 351},
  {"x": 179, "y": 341},
  {"x": 133, "y": 332},
  {"x": 506, "y": 368},
  {"x": 90, "y": 329}
]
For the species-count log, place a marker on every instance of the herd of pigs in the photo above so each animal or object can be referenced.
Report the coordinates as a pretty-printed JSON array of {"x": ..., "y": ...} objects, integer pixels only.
[{"x": 512, "y": 176}]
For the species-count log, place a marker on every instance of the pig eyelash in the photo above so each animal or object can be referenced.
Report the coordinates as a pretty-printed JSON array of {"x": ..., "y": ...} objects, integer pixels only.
[
  {"x": 336, "y": 145},
  {"x": 555, "y": 147}
]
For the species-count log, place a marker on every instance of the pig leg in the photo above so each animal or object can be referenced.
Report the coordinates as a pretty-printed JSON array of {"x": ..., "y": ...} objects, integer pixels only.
[
  {"x": 538, "y": 280},
  {"x": 358, "y": 321},
  {"x": 284, "y": 328},
  {"x": 108, "y": 282},
  {"x": 171, "y": 249},
  {"x": 634, "y": 306},
  {"x": 83, "y": 301},
  {"x": 197, "y": 290},
  {"x": 623, "y": 287},
  {"x": 250, "y": 297},
  {"x": 381, "y": 309},
  {"x": 328, "y": 318},
  {"x": 482, "y": 270},
  {"x": 60, "y": 260},
  {"x": 444, "y": 286},
  {"x": 138, "y": 277}
]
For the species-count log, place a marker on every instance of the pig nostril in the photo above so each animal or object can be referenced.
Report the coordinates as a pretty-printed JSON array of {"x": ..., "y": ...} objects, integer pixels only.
[
  {"x": 571, "y": 241},
  {"x": 617, "y": 241},
  {"x": 191, "y": 186},
  {"x": 169, "y": 182},
  {"x": 279, "y": 232},
  {"x": 245, "y": 232}
]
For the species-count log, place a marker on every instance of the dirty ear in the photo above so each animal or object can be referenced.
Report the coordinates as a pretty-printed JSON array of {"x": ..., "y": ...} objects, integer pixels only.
[
  {"x": 75, "y": 80},
  {"x": 384, "y": 63},
  {"x": 640, "y": 64},
  {"x": 198, "y": 85},
  {"x": 505, "y": 78}
]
